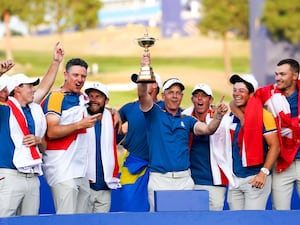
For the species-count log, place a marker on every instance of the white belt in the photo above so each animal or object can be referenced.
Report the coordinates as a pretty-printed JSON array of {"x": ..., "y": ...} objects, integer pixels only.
[
  {"x": 175, "y": 174},
  {"x": 17, "y": 173}
]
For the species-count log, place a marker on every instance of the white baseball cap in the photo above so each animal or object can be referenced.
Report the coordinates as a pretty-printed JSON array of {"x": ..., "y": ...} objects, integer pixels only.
[
  {"x": 248, "y": 79},
  {"x": 88, "y": 86},
  {"x": 4, "y": 80},
  {"x": 170, "y": 82},
  {"x": 20, "y": 78},
  {"x": 203, "y": 87}
]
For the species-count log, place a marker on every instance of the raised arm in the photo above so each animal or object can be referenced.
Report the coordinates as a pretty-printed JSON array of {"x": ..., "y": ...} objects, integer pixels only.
[
  {"x": 146, "y": 101},
  {"x": 201, "y": 128},
  {"x": 49, "y": 78}
]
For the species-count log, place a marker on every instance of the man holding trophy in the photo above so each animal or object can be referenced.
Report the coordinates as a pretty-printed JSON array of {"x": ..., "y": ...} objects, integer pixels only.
[
  {"x": 168, "y": 132},
  {"x": 135, "y": 172}
]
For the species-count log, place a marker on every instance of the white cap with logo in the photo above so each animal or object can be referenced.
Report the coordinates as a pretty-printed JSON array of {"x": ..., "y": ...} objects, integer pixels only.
[
  {"x": 170, "y": 82},
  {"x": 203, "y": 87},
  {"x": 88, "y": 86},
  {"x": 247, "y": 78},
  {"x": 20, "y": 78}
]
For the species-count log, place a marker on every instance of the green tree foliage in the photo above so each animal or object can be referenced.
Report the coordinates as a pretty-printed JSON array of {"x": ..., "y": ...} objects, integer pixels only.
[
  {"x": 30, "y": 11},
  {"x": 33, "y": 12},
  {"x": 61, "y": 13},
  {"x": 282, "y": 20},
  {"x": 73, "y": 13},
  {"x": 222, "y": 17},
  {"x": 7, "y": 9},
  {"x": 86, "y": 16}
]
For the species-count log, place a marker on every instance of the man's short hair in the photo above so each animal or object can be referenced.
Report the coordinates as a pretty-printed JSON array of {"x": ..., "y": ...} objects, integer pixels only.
[
  {"x": 292, "y": 62},
  {"x": 76, "y": 62}
]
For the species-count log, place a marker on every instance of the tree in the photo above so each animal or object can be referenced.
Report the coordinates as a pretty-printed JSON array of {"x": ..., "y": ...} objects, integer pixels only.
[
  {"x": 7, "y": 9},
  {"x": 62, "y": 13},
  {"x": 73, "y": 14},
  {"x": 222, "y": 17},
  {"x": 281, "y": 19}
]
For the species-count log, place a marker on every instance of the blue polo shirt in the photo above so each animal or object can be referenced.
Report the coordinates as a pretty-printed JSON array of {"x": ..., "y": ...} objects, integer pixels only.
[
  {"x": 135, "y": 140},
  {"x": 269, "y": 125},
  {"x": 7, "y": 146},
  {"x": 168, "y": 139},
  {"x": 200, "y": 160}
]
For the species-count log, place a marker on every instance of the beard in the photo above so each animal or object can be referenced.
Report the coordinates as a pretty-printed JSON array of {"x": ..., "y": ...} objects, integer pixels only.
[{"x": 92, "y": 109}]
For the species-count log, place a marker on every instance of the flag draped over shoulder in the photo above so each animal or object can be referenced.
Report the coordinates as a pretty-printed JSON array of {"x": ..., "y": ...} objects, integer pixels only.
[
  {"x": 25, "y": 158},
  {"x": 108, "y": 152},
  {"x": 252, "y": 140},
  {"x": 288, "y": 127},
  {"x": 220, "y": 151}
]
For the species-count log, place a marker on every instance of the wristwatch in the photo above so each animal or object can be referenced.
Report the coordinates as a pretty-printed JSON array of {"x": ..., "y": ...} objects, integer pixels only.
[{"x": 265, "y": 171}]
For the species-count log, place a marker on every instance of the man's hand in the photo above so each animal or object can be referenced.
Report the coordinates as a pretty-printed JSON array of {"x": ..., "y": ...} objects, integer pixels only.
[
  {"x": 89, "y": 121},
  {"x": 221, "y": 109},
  {"x": 259, "y": 180},
  {"x": 6, "y": 65},
  {"x": 31, "y": 140},
  {"x": 146, "y": 60},
  {"x": 58, "y": 53}
]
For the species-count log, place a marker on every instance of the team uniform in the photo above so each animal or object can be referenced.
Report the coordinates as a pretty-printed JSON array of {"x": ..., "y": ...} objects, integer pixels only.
[
  {"x": 20, "y": 166},
  {"x": 135, "y": 171},
  {"x": 100, "y": 193},
  {"x": 168, "y": 139},
  {"x": 66, "y": 159},
  {"x": 206, "y": 172},
  {"x": 103, "y": 165},
  {"x": 286, "y": 174},
  {"x": 244, "y": 196}
]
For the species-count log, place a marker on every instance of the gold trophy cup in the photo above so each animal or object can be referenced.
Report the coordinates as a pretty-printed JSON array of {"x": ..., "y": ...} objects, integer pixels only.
[{"x": 146, "y": 74}]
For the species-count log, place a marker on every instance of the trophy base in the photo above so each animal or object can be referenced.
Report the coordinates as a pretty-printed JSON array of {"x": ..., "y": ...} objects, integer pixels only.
[
  {"x": 146, "y": 75},
  {"x": 145, "y": 79}
]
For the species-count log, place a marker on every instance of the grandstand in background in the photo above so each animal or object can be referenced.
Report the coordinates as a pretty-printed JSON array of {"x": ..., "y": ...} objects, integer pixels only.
[{"x": 174, "y": 17}]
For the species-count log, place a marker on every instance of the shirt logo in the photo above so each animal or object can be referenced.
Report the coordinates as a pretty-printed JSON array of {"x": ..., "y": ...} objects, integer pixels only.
[{"x": 182, "y": 124}]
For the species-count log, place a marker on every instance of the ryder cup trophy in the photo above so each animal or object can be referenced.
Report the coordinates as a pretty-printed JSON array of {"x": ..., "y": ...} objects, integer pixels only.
[{"x": 146, "y": 74}]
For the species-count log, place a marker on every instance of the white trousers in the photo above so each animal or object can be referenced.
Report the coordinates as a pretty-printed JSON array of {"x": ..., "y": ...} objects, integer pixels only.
[
  {"x": 246, "y": 197},
  {"x": 19, "y": 193},
  {"x": 71, "y": 196},
  {"x": 283, "y": 186},
  {"x": 216, "y": 196},
  {"x": 100, "y": 201},
  {"x": 168, "y": 181}
]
